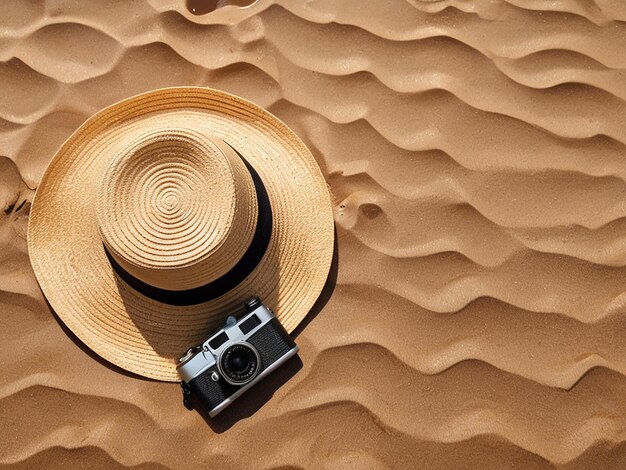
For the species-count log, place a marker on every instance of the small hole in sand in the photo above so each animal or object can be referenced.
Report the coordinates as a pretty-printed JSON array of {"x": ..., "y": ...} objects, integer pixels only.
[
  {"x": 371, "y": 211},
  {"x": 202, "y": 7}
]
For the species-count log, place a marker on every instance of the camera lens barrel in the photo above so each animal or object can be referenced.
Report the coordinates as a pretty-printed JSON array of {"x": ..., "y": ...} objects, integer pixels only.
[{"x": 239, "y": 363}]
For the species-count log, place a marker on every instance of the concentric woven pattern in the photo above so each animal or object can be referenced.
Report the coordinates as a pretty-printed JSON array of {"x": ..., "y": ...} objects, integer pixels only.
[
  {"x": 135, "y": 332},
  {"x": 177, "y": 209}
]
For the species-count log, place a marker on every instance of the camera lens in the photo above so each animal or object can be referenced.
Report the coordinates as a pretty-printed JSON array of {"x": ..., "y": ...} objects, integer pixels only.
[{"x": 239, "y": 363}]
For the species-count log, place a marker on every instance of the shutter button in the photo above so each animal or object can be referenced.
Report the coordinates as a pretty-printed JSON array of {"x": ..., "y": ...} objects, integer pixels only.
[{"x": 252, "y": 303}]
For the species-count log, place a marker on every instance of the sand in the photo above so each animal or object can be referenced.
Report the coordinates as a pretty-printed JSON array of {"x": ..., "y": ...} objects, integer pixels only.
[{"x": 476, "y": 152}]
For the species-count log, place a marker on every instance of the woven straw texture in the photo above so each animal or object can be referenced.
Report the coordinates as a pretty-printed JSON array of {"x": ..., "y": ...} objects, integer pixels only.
[{"x": 151, "y": 179}]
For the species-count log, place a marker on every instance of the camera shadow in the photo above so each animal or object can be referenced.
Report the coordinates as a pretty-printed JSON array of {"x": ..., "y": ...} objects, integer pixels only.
[{"x": 252, "y": 400}]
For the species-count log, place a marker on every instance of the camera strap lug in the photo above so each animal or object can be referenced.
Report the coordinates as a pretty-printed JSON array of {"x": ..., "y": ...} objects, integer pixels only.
[{"x": 186, "y": 395}]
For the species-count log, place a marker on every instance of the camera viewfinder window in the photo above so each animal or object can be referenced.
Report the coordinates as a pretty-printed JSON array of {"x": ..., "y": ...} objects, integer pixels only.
[
  {"x": 218, "y": 340},
  {"x": 250, "y": 324}
]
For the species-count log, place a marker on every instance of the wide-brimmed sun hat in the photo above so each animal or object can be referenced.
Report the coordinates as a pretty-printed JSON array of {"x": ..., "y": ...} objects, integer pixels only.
[{"x": 162, "y": 213}]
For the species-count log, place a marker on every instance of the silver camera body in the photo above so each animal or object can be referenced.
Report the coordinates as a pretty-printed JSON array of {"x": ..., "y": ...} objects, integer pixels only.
[{"x": 232, "y": 360}]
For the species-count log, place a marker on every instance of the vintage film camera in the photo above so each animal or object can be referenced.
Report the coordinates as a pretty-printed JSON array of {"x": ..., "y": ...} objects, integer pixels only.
[{"x": 235, "y": 358}]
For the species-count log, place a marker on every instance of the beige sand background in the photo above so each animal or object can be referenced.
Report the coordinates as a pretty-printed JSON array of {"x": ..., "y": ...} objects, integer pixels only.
[{"x": 476, "y": 151}]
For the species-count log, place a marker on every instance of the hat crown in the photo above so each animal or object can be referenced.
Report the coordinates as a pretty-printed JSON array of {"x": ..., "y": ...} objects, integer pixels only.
[{"x": 177, "y": 210}]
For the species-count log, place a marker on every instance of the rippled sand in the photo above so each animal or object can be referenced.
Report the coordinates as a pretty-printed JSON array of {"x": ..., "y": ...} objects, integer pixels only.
[{"x": 476, "y": 152}]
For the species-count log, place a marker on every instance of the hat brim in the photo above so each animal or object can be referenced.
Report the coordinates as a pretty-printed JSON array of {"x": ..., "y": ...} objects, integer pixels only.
[{"x": 123, "y": 326}]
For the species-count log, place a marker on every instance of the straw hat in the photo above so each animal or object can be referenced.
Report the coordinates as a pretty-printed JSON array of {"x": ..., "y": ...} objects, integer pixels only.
[{"x": 163, "y": 212}]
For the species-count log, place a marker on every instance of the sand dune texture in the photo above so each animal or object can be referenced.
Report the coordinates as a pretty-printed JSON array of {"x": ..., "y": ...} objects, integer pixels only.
[{"x": 476, "y": 151}]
